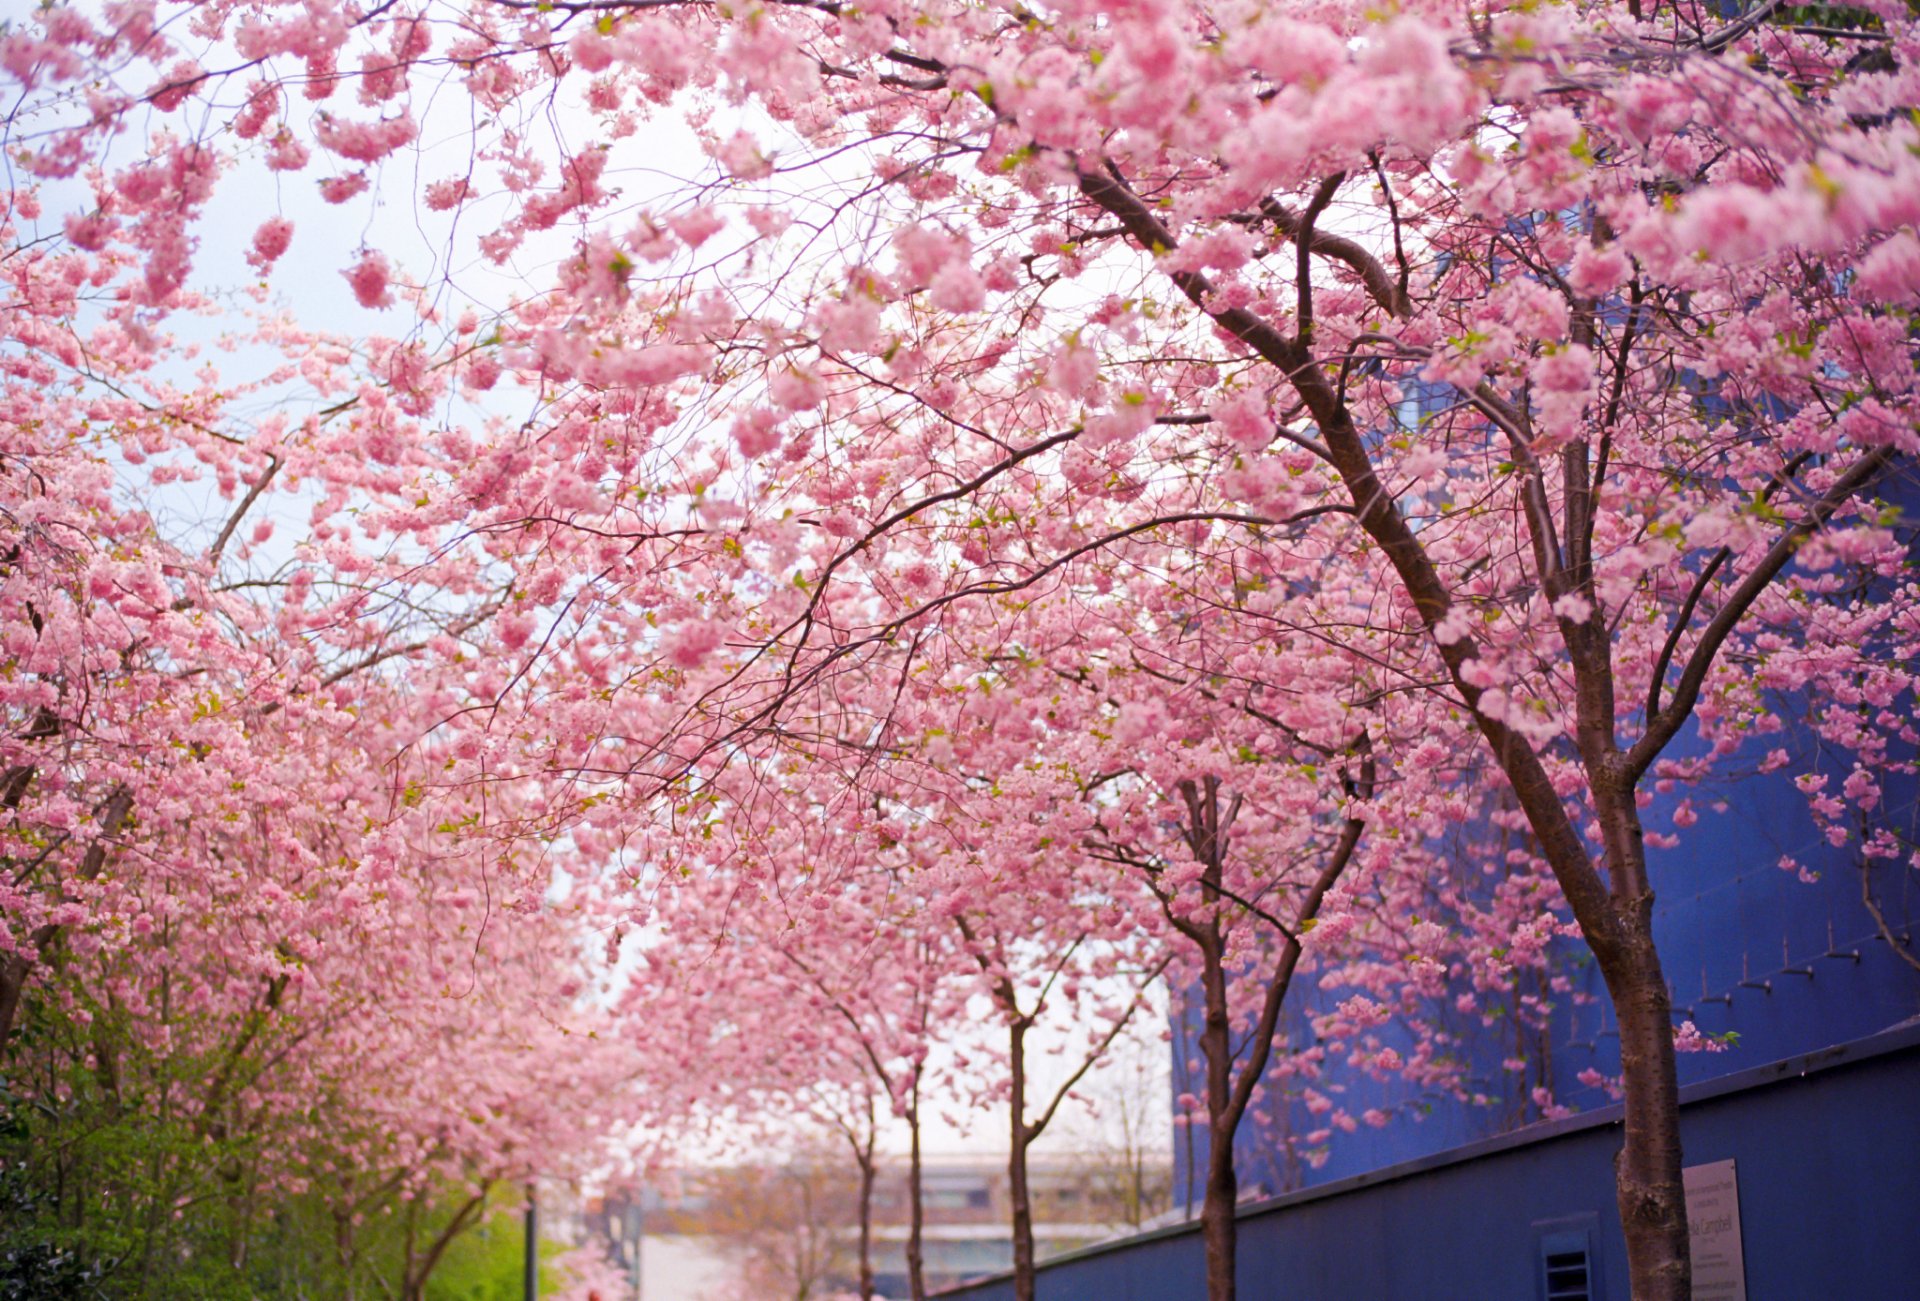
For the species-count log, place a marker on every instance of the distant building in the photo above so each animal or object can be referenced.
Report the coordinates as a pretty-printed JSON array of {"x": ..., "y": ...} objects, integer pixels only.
[{"x": 724, "y": 1235}]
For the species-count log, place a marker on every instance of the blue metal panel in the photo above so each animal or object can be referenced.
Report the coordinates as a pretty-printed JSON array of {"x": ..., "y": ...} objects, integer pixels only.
[{"x": 1827, "y": 1149}]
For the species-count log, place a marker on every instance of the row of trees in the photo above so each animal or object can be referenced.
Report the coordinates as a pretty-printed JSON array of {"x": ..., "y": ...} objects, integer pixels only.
[
  {"x": 1069, "y": 497},
  {"x": 1058, "y": 827},
  {"x": 268, "y": 1025},
  {"x": 271, "y": 1020}
]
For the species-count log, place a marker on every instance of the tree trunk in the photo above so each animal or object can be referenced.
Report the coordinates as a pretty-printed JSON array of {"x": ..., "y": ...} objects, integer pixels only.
[
  {"x": 1615, "y": 913},
  {"x": 916, "y": 1214},
  {"x": 13, "y": 980},
  {"x": 1219, "y": 1229},
  {"x": 1618, "y": 929},
  {"x": 418, "y": 1267},
  {"x": 866, "y": 1223},
  {"x": 1220, "y": 1198},
  {"x": 1018, "y": 1194},
  {"x": 343, "y": 1252},
  {"x": 1647, "y": 1178}
]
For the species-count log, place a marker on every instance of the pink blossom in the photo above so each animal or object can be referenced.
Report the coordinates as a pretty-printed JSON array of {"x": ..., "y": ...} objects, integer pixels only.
[
  {"x": 176, "y": 86},
  {"x": 370, "y": 278},
  {"x": 365, "y": 142},
  {"x": 515, "y": 629},
  {"x": 957, "y": 287},
  {"x": 1290, "y": 51},
  {"x": 1891, "y": 272},
  {"x": 286, "y": 154},
  {"x": 696, "y": 226},
  {"x": 758, "y": 433},
  {"x": 924, "y": 251},
  {"x": 743, "y": 159},
  {"x": 796, "y": 389},
  {"x": 1688, "y": 1039},
  {"x": 1599, "y": 271},
  {"x": 850, "y": 324},
  {"x": 449, "y": 193},
  {"x": 90, "y": 231},
  {"x": 1073, "y": 370},
  {"x": 689, "y": 647},
  {"x": 269, "y": 242},
  {"x": 1245, "y": 417},
  {"x": 263, "y": 101},
  {"x": 591, "y": 50},
  {"x": 338, "y": 189}
]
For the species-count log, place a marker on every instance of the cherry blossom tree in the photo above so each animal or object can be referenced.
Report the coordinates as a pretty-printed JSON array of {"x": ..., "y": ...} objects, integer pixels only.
[
  {"x": 1579, "y": 331},
  {"x": 1226, "y": 784},
  {"x": 309, "y": 1006},
  {"x": 764, "y": 1000}
]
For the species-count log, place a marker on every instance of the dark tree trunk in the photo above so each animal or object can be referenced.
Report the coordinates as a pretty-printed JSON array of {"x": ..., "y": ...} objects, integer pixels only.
[
  {"x": 866, "y": 1223},
  {"x": 1219, "y": 1227},
  {"x": 1229, "y": 1091},
  {"x": 1219, "y": 1233},
  {"x": 1647, "y": 1182},
  {"x": 13, "y": 980},
  {"x": 916, "y": 1213},
  {"x": 344, "y": 1254},
  {"x": 1018, "y": 1194}
]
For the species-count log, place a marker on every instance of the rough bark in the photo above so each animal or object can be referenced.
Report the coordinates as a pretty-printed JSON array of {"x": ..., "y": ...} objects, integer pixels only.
[
  {"x": 1018, "y": 1194},
  {"x": 1219, "y": 1231},
  {"x": 866, "y": 1222},
  {"x": 1653, "y": 1207},
  {"x": 1219, "y": 1225},
  {"x": 916, "y": 1213}
]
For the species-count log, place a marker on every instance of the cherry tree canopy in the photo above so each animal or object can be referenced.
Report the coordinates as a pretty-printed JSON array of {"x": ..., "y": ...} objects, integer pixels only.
[{"x": 1545, "y": 366}]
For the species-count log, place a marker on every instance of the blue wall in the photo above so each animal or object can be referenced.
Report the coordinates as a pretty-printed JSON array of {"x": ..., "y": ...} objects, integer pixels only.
[
  {"x": 1827, "y": 1149},
  {"x": 1789, "y": 966}
]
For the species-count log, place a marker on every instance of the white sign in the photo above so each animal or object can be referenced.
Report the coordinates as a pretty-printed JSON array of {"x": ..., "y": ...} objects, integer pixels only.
[{"x": 1713, "y": 1223}]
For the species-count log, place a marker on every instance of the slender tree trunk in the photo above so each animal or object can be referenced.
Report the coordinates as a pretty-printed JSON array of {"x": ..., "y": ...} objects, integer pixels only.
[
  {"x": 419, "y": 1266},
  {"x": 916, "y": 1213},
  {"x": 1615, "y": 913},
  {"x": 1219, "y": 1232},
  {"x": 13, "y": 980},
  {"x": 866, "y": 1222},
  {"x": 1647, "y": 1170},
  {"x": 1182, "y": 1083},
  {"x": 1228, "y": 1093},
  {"x": 344, "y": 1253},
  {"x": 13, "y": 789},
  {"x": 1219, "y": 1227},
  {"x": 409, "y": 1289},
  {"x": 1017, "y": 1191}
]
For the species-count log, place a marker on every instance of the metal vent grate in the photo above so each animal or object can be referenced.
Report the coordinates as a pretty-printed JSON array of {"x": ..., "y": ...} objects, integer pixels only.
[{"x": 1566, "y": 1267}]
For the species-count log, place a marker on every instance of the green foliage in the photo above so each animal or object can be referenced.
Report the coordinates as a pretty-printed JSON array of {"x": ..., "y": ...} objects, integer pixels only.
[
  {"x": 33, "y": 1267},
  {"x": 487, "y": 1264},
  {"x": 112, "y": 1190}
]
